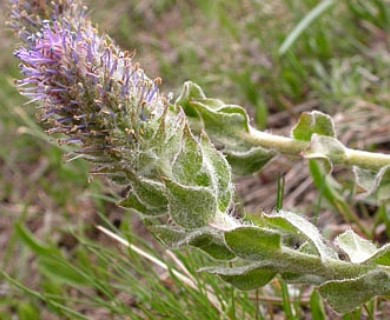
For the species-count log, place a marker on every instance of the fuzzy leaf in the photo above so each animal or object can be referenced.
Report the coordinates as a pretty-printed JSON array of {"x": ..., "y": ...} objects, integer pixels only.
[
  {"x": 347, "y": 295},
  {"x": 376, "y": 184},
  {"x": 132, "y": 202},
  {"x": 326, "y": 149},
  {"x": 314, "y": 122},
  {"x": 357, "y": 248},
  {"x": 225, "y": 125},
  {"x": 302, "y": 278},
  {"x": 220, "y": 172},
  {"x": 188, "y": 167},
  {"x": 206, "y": 239},
  {"x": 250, "y": 161},
  {"x": 253, "y": 243},
  {"x": 149, "y": 193},
  {"x": 210, "y": 242},
  {"x": 244, "y": 278},
  {"x": 170, "y": 236},
  {"x": 191, "y": 207},
  {"x": 300, "y": 228},
  {"x": 381, "y": 256}
]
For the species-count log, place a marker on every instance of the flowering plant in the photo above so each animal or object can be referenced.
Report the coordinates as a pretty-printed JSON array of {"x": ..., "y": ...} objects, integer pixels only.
[{"x": 178, "y": 157}]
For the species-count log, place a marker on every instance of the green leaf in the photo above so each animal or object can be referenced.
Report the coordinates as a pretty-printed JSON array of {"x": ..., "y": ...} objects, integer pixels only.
[
  {"x": 375, "y": 183},
  {"x": 347, "y": 295},
  {"x": 27, "y": 311},
  {"x": 381, "y": 256},
  {"x": 249, "y": 161},
  {"x": 300, "y": 228},
  {"x": 220, "y": 172},
  {"x": 326, "y": 149},
  {"x": 244, "y": 278},
  {"x": 170, "y": 236},
  {"x": 307, "y": 20},
  {"x": 253, "y": 243},
  {"x": 32, "y": 242},
  {"x": 132, "y": 202},
  {"x": 207, "y": 239},
  {"x": 191, "y": 207},
  {"x": 225, "y": 125},
  {"x": 61, "y": 271},
  {"x": 314, "y": 122},
  {"x": 188, "y": 167},
  {"x": 357, "y": 248},
  {"x": 150, "y": 194},
  {"x": 210, "y": 242},
  {"x": 317, "y": 306},
  {"x": 302, "y": 278}
]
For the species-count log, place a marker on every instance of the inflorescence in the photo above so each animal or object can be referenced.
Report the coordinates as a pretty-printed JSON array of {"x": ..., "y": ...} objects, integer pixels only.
[{"x": 88, "y": 88}]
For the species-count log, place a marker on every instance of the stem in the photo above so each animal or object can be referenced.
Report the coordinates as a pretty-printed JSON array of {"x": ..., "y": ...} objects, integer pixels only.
[{"x": 290, "y": 146}]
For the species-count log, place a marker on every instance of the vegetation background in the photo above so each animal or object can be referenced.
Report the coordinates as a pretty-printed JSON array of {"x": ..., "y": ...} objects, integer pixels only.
[{"x": 277, "y": 58}]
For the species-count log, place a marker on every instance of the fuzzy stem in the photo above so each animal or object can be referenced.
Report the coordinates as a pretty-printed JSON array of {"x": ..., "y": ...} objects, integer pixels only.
[{"x": 290, "y": 146}]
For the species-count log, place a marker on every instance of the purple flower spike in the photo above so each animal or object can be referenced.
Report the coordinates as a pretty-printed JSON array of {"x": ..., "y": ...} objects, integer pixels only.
[{"x": 89, "y": 89}]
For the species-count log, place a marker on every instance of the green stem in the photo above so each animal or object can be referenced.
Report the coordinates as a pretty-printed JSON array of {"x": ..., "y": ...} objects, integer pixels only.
[{"x": 290, "y": 146}]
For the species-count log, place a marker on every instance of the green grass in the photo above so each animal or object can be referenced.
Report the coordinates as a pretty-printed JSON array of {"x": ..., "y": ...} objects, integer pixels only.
[{"x": 54, "y": 262}]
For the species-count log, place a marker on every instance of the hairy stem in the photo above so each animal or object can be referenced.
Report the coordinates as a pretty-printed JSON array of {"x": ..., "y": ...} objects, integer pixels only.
[{"x": 290, "y": 146}]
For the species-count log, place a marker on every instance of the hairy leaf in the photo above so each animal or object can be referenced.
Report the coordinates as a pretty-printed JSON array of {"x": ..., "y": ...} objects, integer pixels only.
[
  {"x": 357, "y": 248},
  {"x": 226, "y": 125},
  {"x": 314, "y": 122},
  {"x": 247, "y": 162},
  {"x": 253, "y": 243},
  {"x": 191, "y": 207},
  {"x": 300, "y": 228},
  {"x": 347, "y": 295},
  {"x": 326, "y": 149},
  {"x": 244, "y": 278},
  {"x": 375, "y": 183},
  {"x": 220, "y": 172}
]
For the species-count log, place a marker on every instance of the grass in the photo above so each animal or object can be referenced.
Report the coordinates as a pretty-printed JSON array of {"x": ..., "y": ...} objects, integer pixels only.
[{"x": 269, "y": 56}]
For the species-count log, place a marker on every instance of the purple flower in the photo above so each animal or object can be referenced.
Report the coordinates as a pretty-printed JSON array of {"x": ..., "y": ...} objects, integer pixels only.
[{"x": 88, "y": 88}]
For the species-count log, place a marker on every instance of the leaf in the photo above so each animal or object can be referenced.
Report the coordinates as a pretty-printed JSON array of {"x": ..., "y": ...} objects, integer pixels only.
[
  {"x": 207, "y": 239},
  {"x": 381, "y": 256},
  {"x": 302, "y": 278},
  {"x": 220, "y": 172},
  {"x": 357, "y": 248},
  {"x": 210, "y": 242},
  {"x": 308, "y": 19},
  {"x": 253, "y": 243},
  {"x": 188, "y": 166},
  {"x": 28, "y": 238},
  {"x": 375, "y": 183},
  {"x": 247, "y": 162},
  {"x": 300, "y": 227},
  {"x": 314, "y": 122},
  {"x": 170, "y": 236},
  {"x": 191, "y": 207},
  {"x": 150, "y": 194},
  {"x": 327, "y": 149},
  {"x": 226, "y": 125},
  {"x": 348, "y": 295},
  {"x": 132, "y": 202},
  {"x": 317, "y": 306},
  {"x": 27, "y": 311},
  {"x": 244, "y": 278},
  {"x": 60, "y": 270}
]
